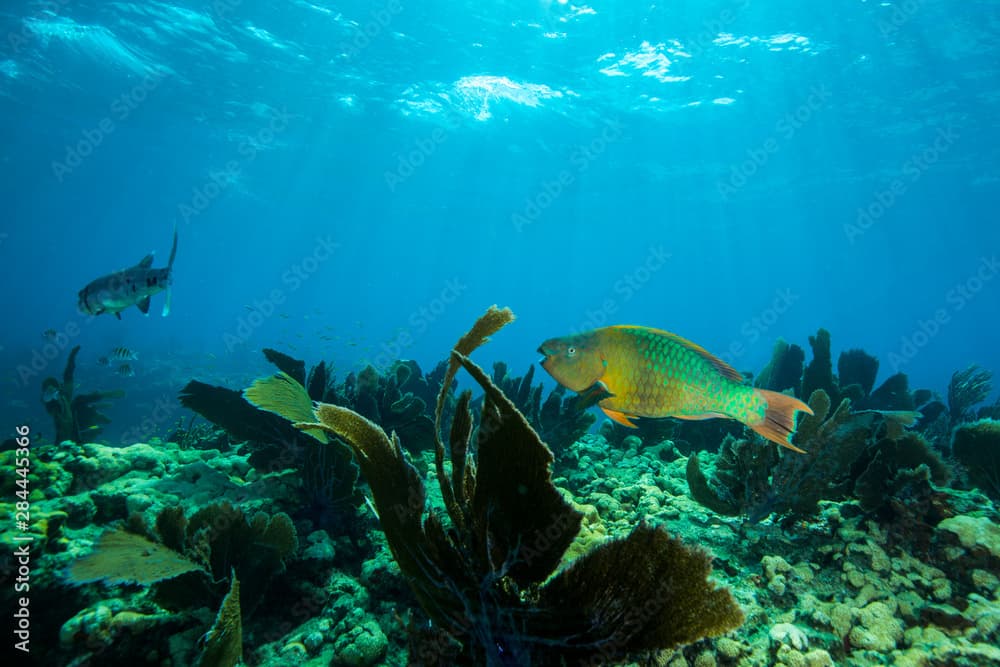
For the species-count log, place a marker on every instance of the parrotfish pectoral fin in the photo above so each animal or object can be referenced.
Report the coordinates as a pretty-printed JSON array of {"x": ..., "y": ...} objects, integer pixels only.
[
  {"x": 118, "y": 315},
  {"x": 145, "y": 262},
  {"x": 592, "y": 396},
  {"x": 143, "y": 306},
  {"x": 166, "y": 304},
  {"x": 778, "y": 424},
  {"x": 620, "y": 417}
]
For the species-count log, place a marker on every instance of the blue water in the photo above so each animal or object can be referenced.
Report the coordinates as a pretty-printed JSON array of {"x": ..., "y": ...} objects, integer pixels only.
[{"x": 357, "y": 181}]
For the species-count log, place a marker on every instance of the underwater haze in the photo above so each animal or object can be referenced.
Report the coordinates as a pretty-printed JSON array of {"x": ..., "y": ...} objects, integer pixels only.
[
  {"x": 356, "y": 182},
  {"x": 686, "y": 166}
]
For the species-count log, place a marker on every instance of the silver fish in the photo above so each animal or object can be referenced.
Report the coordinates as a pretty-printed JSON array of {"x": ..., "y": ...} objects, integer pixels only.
[
  {"x": 125, "y": 370},
  {"x": 123, "y": 289}
]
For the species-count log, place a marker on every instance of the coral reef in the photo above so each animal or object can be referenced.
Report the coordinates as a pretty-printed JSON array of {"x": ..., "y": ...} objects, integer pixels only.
[
  {"x": 977, "y": 447},
  {"x": 849, "y": 454},
  {"x": 122, "y": 557},
  {"x": 224, "y": 642},
  {"x": 75, "y": 416},
  {"x": 510, "y": 530},
  {"x": 966, "y": 389},
  {"x": 560, "y": 420},
  {"x": 784, "y": 371}
]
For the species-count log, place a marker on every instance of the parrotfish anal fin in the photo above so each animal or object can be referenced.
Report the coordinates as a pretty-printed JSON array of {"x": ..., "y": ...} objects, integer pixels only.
[
  {"x": 118, "y": 315},
  {"x": 145, "y": 262},
  {"x": 143, "y": 305},
  {"x": 704, "y": 415},
  {"x": 620, "y": 417},
  {"x": 727, "y": 371}
]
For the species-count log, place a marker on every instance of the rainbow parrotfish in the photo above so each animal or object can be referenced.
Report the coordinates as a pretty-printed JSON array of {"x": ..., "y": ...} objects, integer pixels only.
[{"x": 634, "y": 371}]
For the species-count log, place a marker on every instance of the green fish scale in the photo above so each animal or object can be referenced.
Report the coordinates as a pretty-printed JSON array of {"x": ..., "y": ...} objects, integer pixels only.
[{"x": 670, "y": 378}]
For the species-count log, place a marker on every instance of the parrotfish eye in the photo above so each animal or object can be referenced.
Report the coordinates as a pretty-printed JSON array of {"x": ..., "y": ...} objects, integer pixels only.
[{"x": 570, "y": 351}]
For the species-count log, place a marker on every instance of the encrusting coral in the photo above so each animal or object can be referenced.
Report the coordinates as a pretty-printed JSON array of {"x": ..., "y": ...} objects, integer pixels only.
[{"x": 487, "y": 580}]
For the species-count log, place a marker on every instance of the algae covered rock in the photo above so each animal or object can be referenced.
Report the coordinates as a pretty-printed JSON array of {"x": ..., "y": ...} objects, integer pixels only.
[
  {"x": 974, "y": 533},
  {"x": 362, "y": 645}
]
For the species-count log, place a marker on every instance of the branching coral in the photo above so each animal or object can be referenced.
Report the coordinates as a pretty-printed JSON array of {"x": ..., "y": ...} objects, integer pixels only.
[
  {"x": 863, "y": 454},
  {"x": 481, "y": 579},
  {"x": 966, "y": 389},
  {"x": 329, "y": 475},
  {"x": 784, "y": 371},
  {"x": 560, "y": 420},
  {"x": 75, "y": 417}
]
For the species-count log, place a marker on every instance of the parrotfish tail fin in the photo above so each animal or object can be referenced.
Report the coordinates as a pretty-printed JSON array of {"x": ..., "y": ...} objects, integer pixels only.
[{"x": 779, "y": 420}]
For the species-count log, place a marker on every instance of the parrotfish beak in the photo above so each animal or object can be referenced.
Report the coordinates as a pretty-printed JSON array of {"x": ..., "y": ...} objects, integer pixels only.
[{"x": 546, "y": 355}]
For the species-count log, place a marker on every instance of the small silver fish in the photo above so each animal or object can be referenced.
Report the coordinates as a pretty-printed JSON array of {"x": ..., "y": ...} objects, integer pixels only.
[
  {"x": 125, "y": 370},
  {"x": 123, "y": 289},
  {"x": 103, "y": 361},
  {"x": 49, "y": 334}
]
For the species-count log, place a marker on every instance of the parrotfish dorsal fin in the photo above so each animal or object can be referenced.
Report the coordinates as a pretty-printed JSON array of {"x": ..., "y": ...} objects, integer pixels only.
[
  {"x": 143, "y": 305},
  {"x": 727, "y": 371},
  {"x": 145, "y": 262}
]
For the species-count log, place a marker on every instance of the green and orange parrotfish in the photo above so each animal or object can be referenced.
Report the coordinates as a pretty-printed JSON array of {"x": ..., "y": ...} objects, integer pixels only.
[{"x": 643, "y": 372}]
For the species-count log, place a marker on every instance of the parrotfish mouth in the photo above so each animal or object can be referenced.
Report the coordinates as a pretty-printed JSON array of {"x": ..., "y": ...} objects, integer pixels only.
[{"x": 545, "y": 355}]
